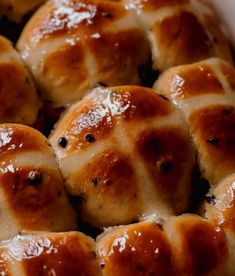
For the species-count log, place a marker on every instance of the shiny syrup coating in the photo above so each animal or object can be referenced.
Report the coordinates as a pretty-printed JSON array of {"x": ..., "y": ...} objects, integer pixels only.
[
  {"x": 82, "y": 43},
  {"x": 70, "y": 253},
  {"x": 125, "y": 137},
  {"x": 221, "y": 211},
  {"x": 202, "y": 244},
  {"x": 180, "y": 33},
  {"x": 100, "y": 115},
  {"x": 109, "y": 180},
  {"x": 183, "y": 245},
  {"x": 214, "y": 128},
  {"x": 203, "y": 91},
  {"x": 18, "y": 97},
  {"x": 229, "y": 74},
  {"x": 195, "y": 81},
  {"x": 140, "y": 249},
  {"x": 13, "y": 139},
  {"x": 30, "y": 183},
  {"x": 67, "y": 16},
  {"x": 34, "y": 203},
  {"x": 165, "y": 153}
]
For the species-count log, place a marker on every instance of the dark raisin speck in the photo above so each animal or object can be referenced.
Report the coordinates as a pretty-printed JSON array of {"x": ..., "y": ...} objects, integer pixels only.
[
  {"x": 207, "y": 40},
  {"x": 211, "y": 199},
  {"x": 165, "y": 166},
  {"x": 95, "y": 181},
  {"x": 227, "y": 111},
  {"x": 102, "y": 265},
  {"x": 213, "y": 140},
  {"x": 215, "y": 40},
  {"x": 27, "y": 80},
  {"x": 93, "y": 254},
  {"x": 90, "y": 138},
  {"x": 34, "y": 177},
  {"x": 63, "y": 142}
]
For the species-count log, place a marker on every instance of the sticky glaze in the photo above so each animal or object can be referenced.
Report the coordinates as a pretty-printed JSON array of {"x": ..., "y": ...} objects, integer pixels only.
[
  {"x": 165, "y": 152},
  {"x": 99, "y": 40},
  {"x": 112, "y": 135},
  {"x": 18, "y": 138},
  {"x": 31, "y": 184},
  {"x": 141, "y": 249},
  {"x": 100, "y": 115},
  {"x": 182, "y": 33},
  {"x": 108, "y": 180},
  {"x": 202, "y": 244},
  {"x": 229, "y": 74},
  {"x": 69, "y": 253},
  {"x": 210, "y": 123},
  {"x": 18, "y": 97},
  {"x": 195, "y": 81}
]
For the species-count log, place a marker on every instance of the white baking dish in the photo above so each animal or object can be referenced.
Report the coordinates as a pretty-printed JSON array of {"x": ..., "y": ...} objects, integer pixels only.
[{"x": 226, "y": 12}]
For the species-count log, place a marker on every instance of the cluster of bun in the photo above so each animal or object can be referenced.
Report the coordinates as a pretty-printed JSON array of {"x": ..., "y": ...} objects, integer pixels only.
[{"x": 144, "y": 148}]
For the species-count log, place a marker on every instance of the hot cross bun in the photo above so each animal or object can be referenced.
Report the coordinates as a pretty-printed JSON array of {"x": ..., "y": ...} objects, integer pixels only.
[
  {"x": 32, "y": 195},
  {"x": 19, "y": 101}
]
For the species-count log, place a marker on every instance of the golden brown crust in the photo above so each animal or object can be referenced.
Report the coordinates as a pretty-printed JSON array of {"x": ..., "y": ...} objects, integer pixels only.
[
  {"x": 180, "y": 32},
  {"x": 118, "y": 146},
  {"x": 220, "y": 206},
  {"x": 139, "y": 249},
  {"x": 81, "y": 43},
  {"x": 91, "y": 116},
  {"x": 108, "y": 181},
  {"x": 229, "y": 74},
  {"x": 70, "y": 253},
  {"x": 214, "y": 128},
  {"x": 165, "y": 152},
  {"x": 198, "y": 241},
  {"x": 18, "y": 97},
  {"x": 184, "y": 245},
  {"x": 74, "y": 254},
  {"x": 194, "y": 81},
  {"x": 84, "y": 42},
  {"x": 31, "y": 184},
  {"x": 204, "y": 92},
  {"x": 18, "y": 139}
]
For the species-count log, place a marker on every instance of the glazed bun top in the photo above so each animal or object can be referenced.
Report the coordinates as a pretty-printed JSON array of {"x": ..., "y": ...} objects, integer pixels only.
[
  {"x": 70, "y": 253},
  {"x": 125, "y": 154},
  {"x": 180, "y": 31},
  {"x": 32, "y": 194},
  {"x": 19, "y": 101},
  {"x": 72, "y": 45},
  {"x": 205, "y": 92}
]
